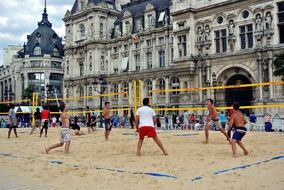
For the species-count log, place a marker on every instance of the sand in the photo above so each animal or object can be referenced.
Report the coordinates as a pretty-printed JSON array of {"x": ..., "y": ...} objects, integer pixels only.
[{"x": 96, "y": 164}]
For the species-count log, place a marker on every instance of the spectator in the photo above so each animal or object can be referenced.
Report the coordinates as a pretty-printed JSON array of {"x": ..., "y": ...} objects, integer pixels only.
[
  {"x": 131, "y": 119},
  {"x": 166, "y": 122},
  {"x": 53, "y": 120},
  {"x": 252, "y": 119},
  {"x": 186, "y": 120},
  {"x": 223, "y": 119},
  {"x": 115, "y": 120},
  {"x": 158, "y": 122},
  {"x": 268, "y": 123},
  {"x": 192, "y": 120}
]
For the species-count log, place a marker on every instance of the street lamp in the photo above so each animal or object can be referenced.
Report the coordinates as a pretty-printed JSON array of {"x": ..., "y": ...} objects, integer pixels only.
[
  {"x": 11, "y": 95},
  {"x": 103, "y": 86},
  {"x": 214, "y": 83}
]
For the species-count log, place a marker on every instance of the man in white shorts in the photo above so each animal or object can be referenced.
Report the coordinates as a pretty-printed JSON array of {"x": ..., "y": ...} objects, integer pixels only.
[
  {"x": 213, "y": 121},
  {"x": 145, "y": 124},
  {"x": 65, "y": 136}
]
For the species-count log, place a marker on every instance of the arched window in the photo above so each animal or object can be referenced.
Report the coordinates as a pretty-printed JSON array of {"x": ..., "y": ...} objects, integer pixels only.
[
  {"x": 90, "y": 63},
  {"x": 115, "y": 89},
  {"x": 82, "y": 31},
  {"x": 81, "y": 69},
  {"x": 101, "y": 30},
  {"x": 37, "y": 50},
  {"x": 148, "y": 87},
  {"x": 67, "y": 93},
  {"x": 125, "y": 89},
  {"x": 90, "y": 91},
  {"x": 67, "y": 67},
  {"x": 81, "y": 91},
  {"x": 102, "y": 63},
  {"x": 55, "y": 52},
  {"x": 161, "y": 86},
  {"x": 175, "y": 85}
]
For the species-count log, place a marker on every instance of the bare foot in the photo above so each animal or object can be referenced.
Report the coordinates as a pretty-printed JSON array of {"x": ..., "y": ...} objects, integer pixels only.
[
  {"x": 235, "y": 156},
  {"x": 46, "y": 151},
  {"x": 246, "y": 152},
  {"x": 138, "y": 154},
  {"x": 165, "y": 153},
  {"x": 205, "y": 142}
]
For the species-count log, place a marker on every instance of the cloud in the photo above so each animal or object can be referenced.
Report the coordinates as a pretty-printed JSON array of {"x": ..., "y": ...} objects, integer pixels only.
[{"x": 19, "y": 18}]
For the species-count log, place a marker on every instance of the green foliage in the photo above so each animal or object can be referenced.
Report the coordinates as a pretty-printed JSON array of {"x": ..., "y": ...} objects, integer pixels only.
[
  {"x": 28, "y": 92},
  {"x": 4, "y": 108},
  {"x": 279, "y": 64}
]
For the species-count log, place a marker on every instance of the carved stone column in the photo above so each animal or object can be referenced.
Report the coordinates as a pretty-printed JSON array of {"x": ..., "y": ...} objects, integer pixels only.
[
  {"x": 270, "y": 74},
  {"x": 259, "y": 62},
  {"x": 154, "y": 96},
  {"x": 167, "y": 86},
  {"x": 130, "y": 96}
]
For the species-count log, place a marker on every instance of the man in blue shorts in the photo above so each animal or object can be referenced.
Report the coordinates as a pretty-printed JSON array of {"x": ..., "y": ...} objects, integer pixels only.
[
  {"x": 107, "y": 118},
  {"x": 238, "y": 121}
]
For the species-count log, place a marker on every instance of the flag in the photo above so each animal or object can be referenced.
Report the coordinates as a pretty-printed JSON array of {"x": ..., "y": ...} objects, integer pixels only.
[{"x": 134, "y": 37}]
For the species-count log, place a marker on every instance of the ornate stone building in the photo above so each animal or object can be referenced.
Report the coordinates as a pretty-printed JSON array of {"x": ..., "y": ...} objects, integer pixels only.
[
  {"x": 37, "y": 64},
  {"x": 174, "y": 45}
]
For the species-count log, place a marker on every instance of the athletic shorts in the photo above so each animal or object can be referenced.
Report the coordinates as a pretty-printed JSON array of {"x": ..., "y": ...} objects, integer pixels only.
[
  {"x": 239, "y": 133},
  {"x": 37, "y": 122},
  {"x": 44, "y": 124},
  {"x": 215, "y": 123},
  {"x": 65, "y": 135},
  {"x": 147, "y": 131},
  {"x": 108, "y": 125}
]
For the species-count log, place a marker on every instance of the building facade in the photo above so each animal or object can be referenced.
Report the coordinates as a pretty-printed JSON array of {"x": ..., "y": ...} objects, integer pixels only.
[
  {"x": 37, "y": 64},
  {"x": 174, "y": 45}
]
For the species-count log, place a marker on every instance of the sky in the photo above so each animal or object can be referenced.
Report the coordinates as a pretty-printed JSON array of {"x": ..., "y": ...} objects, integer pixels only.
[{"x": 18, "y": 18}]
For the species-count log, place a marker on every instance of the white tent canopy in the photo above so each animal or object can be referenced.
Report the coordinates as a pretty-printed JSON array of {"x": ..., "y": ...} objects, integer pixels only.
[{"x": 26, "y": 109}]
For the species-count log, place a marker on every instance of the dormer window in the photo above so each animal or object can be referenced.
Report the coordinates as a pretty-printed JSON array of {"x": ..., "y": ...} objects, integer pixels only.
[
  {"x": 82, "y": 31},
  {"x": 162, "y": 16},
  {"x": 37, "y": 50},
  {"x": 82, "y": 4},
  {"x": 181, "y": 25},
  {"x": 55, "y": 52}
]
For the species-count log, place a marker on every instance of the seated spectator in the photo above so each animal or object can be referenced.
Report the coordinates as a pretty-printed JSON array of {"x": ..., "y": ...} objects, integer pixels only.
[{"x": 268, "y": 123}]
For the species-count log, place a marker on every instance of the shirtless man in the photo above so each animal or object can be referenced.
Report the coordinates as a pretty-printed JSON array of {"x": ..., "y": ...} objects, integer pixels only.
[
  {"x": 107, "y": 117},
  {"x": 65, "y": 137},
  {"x": 213, "y": 119},
  {"x": 238, "y": 122}
]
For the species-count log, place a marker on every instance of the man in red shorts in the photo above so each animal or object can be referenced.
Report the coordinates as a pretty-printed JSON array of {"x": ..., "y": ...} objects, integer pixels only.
[{"x": 145, "y": 124}]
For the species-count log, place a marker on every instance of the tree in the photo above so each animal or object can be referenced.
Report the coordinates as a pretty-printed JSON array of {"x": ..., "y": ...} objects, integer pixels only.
[
  {"x": 279, "y": 64},
  {"x": 28, "y": 92}
]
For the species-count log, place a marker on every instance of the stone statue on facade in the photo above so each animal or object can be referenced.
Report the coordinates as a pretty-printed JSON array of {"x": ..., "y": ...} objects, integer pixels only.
[
  {"x": 258, "y": 23},
  {"x": 207, "y": 33},
  {"x": 199, "y": 34},
  {"x": 231, "y": 28},
  {"x": 268, "y": 21}
]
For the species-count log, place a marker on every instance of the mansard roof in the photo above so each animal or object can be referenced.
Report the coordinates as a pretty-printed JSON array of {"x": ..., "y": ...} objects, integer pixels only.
[
  {"x": 44, "y": 37},
  {"x": 138, "y": 7},
  {"x": 95, "y": 2}
]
